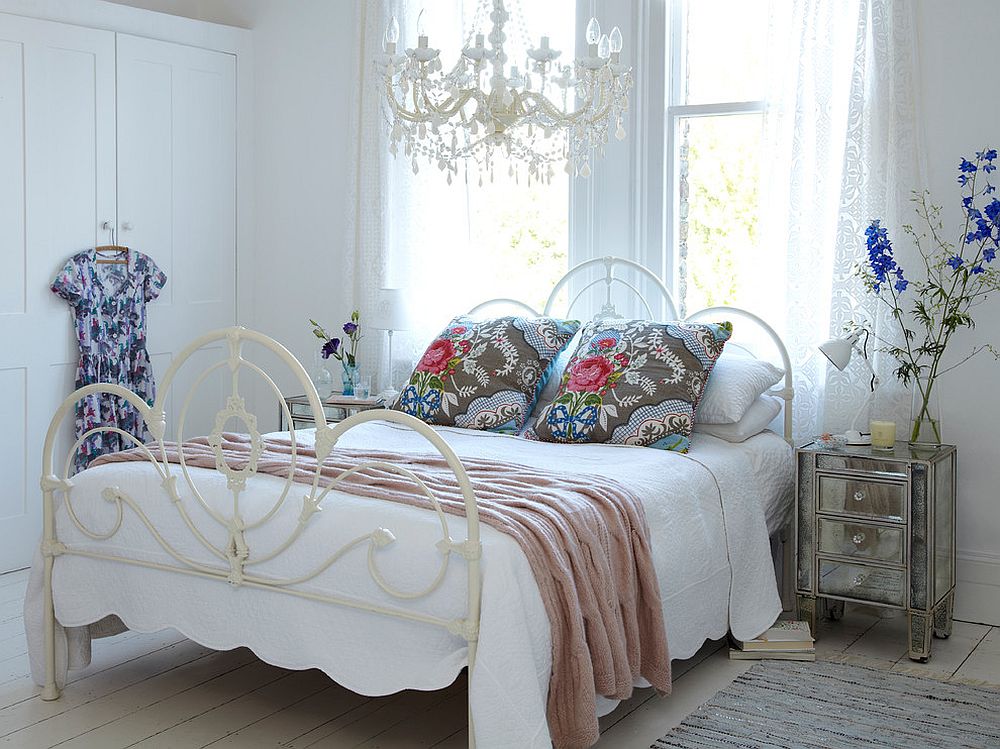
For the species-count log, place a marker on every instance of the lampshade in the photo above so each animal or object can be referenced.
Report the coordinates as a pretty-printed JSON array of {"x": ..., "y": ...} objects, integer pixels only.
[
  {"x": 839, "y": 350},
  {"x": 390, "y": 311}
]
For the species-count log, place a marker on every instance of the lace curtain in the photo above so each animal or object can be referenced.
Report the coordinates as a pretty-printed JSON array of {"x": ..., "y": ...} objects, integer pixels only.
[
  {"x": 841, "y": 148},
  {"x": 401, "y": 225}
]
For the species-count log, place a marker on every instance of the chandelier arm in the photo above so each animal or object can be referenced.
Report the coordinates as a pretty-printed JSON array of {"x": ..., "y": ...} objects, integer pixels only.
[
  {"x": 443, "y": 109},
  {"x": 399, "y": 109},
  {"x": 544, "y": 105}
]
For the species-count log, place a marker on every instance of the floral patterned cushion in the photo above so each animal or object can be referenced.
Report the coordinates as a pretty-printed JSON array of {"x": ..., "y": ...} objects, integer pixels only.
[
  {"x": 633, "y": 382},
  {"x": 485, "y": 374}
]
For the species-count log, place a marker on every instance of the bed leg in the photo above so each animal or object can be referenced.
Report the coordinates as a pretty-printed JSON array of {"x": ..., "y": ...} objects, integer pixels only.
[
  {"x": 49, "y": 550},
  {"x": 472, "y": 659},
  {"x": 50, "y": 691},
  {"x": 787, "y": 570}
]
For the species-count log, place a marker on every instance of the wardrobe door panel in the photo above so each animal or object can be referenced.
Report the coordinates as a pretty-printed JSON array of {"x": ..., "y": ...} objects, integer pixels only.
[
  {"x": 57, "y": 156},
  {"x": 12, "y": 251},
  {"x": 177, "y": 193}
]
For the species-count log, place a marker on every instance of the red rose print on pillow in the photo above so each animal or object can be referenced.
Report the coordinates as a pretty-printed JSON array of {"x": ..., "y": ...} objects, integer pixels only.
[
  {"x": 590, "y": 375},
  {"x": 435, "y": 359}
]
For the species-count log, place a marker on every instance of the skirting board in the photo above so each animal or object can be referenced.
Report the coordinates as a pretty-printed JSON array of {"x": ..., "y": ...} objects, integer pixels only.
[{"x": 977, "y": 596}]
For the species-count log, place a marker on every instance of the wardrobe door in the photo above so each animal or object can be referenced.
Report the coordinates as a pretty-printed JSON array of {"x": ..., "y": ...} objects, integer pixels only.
[
  {"x": 177, "y": 201},
  {"x": 57, "y": 171}
]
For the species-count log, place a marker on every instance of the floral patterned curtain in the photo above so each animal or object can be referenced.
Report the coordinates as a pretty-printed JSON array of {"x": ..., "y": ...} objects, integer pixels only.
[{"x": 842, "y": 147}]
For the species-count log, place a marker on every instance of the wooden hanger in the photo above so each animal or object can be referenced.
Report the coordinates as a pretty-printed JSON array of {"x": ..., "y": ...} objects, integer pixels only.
[{"x": 118, "y": 251}]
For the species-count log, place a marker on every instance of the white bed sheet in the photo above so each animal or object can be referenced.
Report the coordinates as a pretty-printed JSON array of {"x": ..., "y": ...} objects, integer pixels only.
[{"x": 707, "y": 512}]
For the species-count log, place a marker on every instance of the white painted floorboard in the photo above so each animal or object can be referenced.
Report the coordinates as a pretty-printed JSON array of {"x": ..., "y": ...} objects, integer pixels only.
[{"x": 162, "y": 691}]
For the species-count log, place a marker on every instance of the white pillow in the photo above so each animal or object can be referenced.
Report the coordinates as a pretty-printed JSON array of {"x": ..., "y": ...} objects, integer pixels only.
[
  {"x": 757, "y": 418},
  {"x": 735, "y": 383}
]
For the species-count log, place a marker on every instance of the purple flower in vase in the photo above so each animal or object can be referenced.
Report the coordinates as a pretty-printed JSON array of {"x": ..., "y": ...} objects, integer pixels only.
[
  {"x": 330, "y": 348},
  {"x": 350, "y": 328}
]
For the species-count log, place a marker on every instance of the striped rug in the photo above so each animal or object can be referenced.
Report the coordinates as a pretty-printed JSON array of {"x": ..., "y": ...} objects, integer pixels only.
[{"x": 836, "y": 705}]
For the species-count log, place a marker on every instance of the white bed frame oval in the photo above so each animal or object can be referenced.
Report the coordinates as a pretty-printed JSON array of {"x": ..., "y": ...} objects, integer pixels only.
[{"x": 235, "y": 565}]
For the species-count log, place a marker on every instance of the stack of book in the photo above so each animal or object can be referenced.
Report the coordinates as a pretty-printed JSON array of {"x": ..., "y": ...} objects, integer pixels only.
[{"x": 786, "y": 640}]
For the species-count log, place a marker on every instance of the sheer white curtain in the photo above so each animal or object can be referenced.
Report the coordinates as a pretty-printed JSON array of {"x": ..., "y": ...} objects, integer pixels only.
[
  {"x": 401, "y": 226},
  {"x": 842, "y": 148}
]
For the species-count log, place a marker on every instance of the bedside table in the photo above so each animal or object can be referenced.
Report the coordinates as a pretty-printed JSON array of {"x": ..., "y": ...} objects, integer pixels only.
[
  {"x": 336, "y": 408},
  {"x": 878, "y": 527}
]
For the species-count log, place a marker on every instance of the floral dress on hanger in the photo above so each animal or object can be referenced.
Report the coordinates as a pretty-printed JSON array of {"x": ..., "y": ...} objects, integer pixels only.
[{"x": 109, "y": 307}]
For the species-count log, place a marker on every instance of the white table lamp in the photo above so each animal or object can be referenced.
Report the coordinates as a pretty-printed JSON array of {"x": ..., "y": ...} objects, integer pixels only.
[
  {"x": 390, "y": 314},
  {"x": 839, "y": 352}
]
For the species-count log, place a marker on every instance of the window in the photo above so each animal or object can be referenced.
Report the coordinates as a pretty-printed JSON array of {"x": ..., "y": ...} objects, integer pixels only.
[
  {"x": 714, "y": 128},
  {"x": 510, "y": 235}
]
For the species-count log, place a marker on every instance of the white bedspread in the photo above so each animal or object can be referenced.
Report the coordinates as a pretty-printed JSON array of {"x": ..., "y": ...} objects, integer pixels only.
[{"x": 707, "y": 514}]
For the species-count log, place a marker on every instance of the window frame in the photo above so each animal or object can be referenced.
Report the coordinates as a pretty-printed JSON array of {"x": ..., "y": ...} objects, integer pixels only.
[{"x": 674, "y": 259}]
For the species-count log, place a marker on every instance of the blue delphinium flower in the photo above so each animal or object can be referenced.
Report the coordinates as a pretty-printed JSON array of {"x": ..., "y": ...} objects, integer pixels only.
[
  {"x": 989, "y": 189},
  {"x": 901, "y": 285},
  {"x": 880, "y": 255},
  {"x": 977, "y": 269},
  {"x": 989, "y": 254},
  {"x": 955, "y": 262},
  {"x": 992, "y": 210},
  {"x": 967, "y": 166},
  {"x": 990, "y": 155}
]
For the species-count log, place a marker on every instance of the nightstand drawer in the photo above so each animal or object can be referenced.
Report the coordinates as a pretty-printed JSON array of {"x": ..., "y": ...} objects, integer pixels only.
[
  {"x": 855, "y": 463},
  {"x": 862, "y": 582},
  {"x": 847, "y": 539},
  {"x": 872, "y": 499}
]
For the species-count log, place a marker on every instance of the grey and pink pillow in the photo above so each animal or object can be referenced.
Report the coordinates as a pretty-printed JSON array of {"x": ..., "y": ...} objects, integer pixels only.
[
  {"x": 633, "y": 382},
  {"x": 485, "y": 374}
]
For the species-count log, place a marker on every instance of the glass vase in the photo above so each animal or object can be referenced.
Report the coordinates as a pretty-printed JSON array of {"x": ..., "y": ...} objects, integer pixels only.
[
  {"x": 348, "y": 377},
  {"x": 321, "y": 376},
  {"x": 925, "y": 414}
]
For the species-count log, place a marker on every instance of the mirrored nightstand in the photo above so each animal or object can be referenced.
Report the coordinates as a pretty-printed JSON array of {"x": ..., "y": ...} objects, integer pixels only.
[
  {"x": 878, "y": 527},
  {"x": 336, "y": 408}
]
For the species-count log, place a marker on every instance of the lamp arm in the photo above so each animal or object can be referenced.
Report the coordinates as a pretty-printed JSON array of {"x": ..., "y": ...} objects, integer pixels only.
[{"x": 875, "y": 382}]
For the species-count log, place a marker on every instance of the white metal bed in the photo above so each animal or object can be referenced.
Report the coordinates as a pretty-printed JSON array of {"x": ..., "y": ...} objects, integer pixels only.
[{"x": 233, "y": 563}]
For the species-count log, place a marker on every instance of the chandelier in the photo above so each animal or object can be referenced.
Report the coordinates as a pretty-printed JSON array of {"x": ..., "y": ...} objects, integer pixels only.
[{"x": 484, "y": 110}]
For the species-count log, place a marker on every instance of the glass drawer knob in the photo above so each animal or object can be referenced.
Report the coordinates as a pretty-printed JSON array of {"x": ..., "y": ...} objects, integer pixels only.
[
  {"x": 858, "y": 580},
  {"x": 859, "y": 496},
  {"x": 858, "y": 538}
]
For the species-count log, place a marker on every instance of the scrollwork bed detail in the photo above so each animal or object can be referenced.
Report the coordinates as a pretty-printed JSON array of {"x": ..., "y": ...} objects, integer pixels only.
[{"x": 236, "y": 565}]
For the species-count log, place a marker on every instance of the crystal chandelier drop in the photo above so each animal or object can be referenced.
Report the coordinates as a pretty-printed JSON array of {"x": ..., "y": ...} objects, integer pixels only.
[{"x": 486, "y": 112}]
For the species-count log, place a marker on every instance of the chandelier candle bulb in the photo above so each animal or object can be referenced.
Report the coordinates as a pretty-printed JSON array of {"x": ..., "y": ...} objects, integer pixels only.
[
  {"x": 604, "y": 48},
  {"x": 615, "y": 40},
  {"x": 593, "y": 31},
  {"x": 883, "y": 434}
]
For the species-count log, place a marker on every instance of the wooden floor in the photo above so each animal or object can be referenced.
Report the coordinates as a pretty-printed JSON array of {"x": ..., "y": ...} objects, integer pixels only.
[{"x": 162, "y": 690}]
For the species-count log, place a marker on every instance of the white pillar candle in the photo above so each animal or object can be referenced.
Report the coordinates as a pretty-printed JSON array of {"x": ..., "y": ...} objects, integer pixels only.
[{"x": 883, "y": 434}]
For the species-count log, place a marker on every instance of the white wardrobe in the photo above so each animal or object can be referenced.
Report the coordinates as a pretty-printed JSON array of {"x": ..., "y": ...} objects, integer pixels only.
[{"x": 100, "y": 128}]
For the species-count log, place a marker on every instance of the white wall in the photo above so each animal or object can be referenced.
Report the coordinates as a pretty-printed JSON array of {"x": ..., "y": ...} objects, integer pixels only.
[
  {"x": 304, "y": 100},
  {"x": 960, "y": 115}
]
